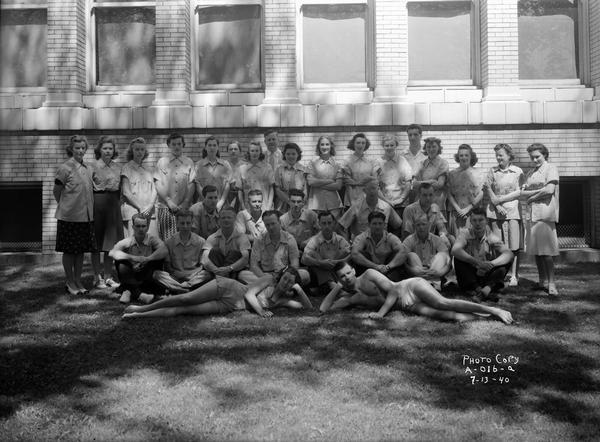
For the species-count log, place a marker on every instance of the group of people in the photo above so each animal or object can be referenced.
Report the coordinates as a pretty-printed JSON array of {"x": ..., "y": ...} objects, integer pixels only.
[{"x": 256, "y": 232}]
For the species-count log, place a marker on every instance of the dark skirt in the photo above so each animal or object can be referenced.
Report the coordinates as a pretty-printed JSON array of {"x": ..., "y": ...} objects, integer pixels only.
[
  {"x": 108, "y": 224},
  {"x": 75, "y": 238}
]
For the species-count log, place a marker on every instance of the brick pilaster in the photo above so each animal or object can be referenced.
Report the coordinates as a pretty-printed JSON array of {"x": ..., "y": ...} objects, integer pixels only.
[{"x": 594, "y": 23}]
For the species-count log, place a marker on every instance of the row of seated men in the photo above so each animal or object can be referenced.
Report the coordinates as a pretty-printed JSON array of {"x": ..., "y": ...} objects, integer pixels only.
[{"x": 249, "y": 244}]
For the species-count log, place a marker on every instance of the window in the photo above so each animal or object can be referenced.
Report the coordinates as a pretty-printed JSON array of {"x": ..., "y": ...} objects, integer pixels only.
[
  {"x": 442, "y": 46},
  {"x": 548, "y": 39},
  {"x": 23, "y": 33},
  {"x": 228, "y": 42},
  {"x": 335, "y": 44},
  {"x": 124, "y": 43}
]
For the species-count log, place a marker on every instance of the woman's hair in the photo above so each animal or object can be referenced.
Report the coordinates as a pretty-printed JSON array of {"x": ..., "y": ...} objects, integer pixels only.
[
  {"x": 104, "y": 139},
  {"x": 389, "y": 137},
  {"x": 255, "y": 143},
  {"x": 539, "y": 146},
  {"x": 474, "y": 158},
  {"x": 506, "y": 148},
  {"x": 204, "y": 152},
  {"x": 295, "y": 147},
  {"x": 291, "y": 270},
  {"x": 75, "y": 139},
  {"x": 331, "y": 144},
  {"x": 432, "y": 140},
  {"x": 138, "y": 140},
  {"x": 353, "y": 140}
]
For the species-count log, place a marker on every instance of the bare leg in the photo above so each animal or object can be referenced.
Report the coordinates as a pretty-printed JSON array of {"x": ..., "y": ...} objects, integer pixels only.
[
  {"x": 444, "y": 315},
  {"x": 440, "y": 264},
  {"x": 429, "y": 296},
  {"x": 68, "y": 262},
  {"x": 108, "y": 266},
  {"x": 96, "y": 266},
  {"x": 541, "y": 267},
  {"x": 78, "y": 269},
  {"x": 207, "y": 308},
  {"x": 549, "y": 266},
  {"x": 514, "y": 268},
  {"x": 206, "y": 293}
]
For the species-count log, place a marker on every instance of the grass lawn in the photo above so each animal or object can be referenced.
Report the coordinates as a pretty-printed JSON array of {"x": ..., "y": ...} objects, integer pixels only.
[{"x": 71, "y": 369}]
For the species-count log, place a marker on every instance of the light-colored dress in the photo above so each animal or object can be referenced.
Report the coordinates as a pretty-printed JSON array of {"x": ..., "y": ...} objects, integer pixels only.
[
  {"x": 433, "y": 170},
  {"x": 108, "y": 224},
  {"x": 289, "y": 177},
  {"x": 319, "y": 198},
  {"x": 141, "y": 184},
  {"x": 395, "y": 177},
  {"x": 464, "y": 185},
  {"x": 542, "y": 216},
  {"x": 257, "y": 176},
  {"x": 216, "y": 174},
  {"x": 357, "y": 168}
]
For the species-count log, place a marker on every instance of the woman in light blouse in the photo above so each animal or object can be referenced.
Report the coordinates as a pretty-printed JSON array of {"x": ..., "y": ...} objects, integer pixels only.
[
  {"x": 235, "y": 160},
  {"x": 324, "y": 177},
  {"x": 289, "y": 175},
  {"x": 73, "y": 192},
  {"x": 433, "y": 170},
  {"x": 212, "y": 170},
  {"x": 137, "y": 187},
  {"x": 464, "y": 188},
  {"x": 395, "y": 175},
  {"x": 257, "y": 174},
  {"x": 108, "y": 224},
  {"x": 541, "y": 193},
  {"x": 357, "y": 170}
]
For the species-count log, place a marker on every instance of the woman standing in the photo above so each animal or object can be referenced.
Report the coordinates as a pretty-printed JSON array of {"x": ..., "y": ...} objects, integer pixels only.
[
  {"x": 433, "y": 170},
  {"x": 137, "y": 187},
  {"x": 212, "y": 170},
  {"x": 257, "y": 174},
  {"x": 503, "y": 186},
  {"x": 325, "y": 179},
  {"x": 108, "y": 224},
  {"x": 289, "y": 175},
  {"x": 464, "y": 188},
  {"x": 395, "y": 175},
  {"x": 357, "y": 170},
  {"x": 235, "y": 160},
  {"x": 74, "y": 193},
  {"x": 541, "y": 192}
]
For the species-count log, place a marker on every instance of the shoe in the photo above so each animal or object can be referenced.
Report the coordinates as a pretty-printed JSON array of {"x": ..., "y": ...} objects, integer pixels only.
[
  {"x": 71, "y": 291},
  {"x": 145, "y": 298},
  {"x": 100, "y": 283},
  {"x": 114, "y": 295},
  {"x": 84, "y": 291},
  {"x": 552, "y": 290},
  {"x": 111, "y": 283},
  {"x": 514, "y": 281},
  {"x": 125, "y": 297}
]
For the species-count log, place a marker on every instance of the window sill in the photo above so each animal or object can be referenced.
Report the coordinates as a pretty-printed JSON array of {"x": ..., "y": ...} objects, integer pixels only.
[{"x": 335, "y": 95}]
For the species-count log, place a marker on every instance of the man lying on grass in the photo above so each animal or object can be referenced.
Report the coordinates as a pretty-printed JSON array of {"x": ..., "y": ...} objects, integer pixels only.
[
  {"x": 414, "y": 295},
  {"x": 225, "y": 295}
]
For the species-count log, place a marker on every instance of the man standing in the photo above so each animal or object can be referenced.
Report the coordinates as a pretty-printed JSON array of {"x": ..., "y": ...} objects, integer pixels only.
[
  {"x": 183, "y": 264},
  {"x": 136, "y": 259},
  {"x": 481, "y": 259},
  {"x": 250, "y": 221},
  {"x": 174, "y": 179},
  {"x": 273, "y": 155},
  {"x": 377, "y": 249},
  {"x": 355, "y": 220},
  {"x": 324, "y": 251},
  {"x": 395, "y": 175},
  {"x": 225, "y": 252},
  {"x": 205, "y": 219},
  {"x": 414, "y": 154},
  {"x": 300, "y": 222}
]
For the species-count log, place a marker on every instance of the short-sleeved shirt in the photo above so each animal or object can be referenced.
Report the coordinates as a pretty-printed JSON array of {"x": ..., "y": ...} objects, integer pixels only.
[
  {"x": 236, "y": 242},
  {"x": 464, "y": 185},
  {"x": 141, "y": 184},
  {"x": 380, "y": 252},
  {"x": 432, "y": 170},
  {"x": 76, "y": 202},
  {"x": 184, "y": 255},
  {"x": 257, "y": 176},
  {"x": 335, "y": 248},
  {"x": 146, "y": 248},
  {"x": 416, "y": 160},
  {"x": 203, "y": 222},
  {"x": 176, "y": 173},
  {"x": 357, "y": 168},
  {"x": 414, "y": 211},
  {"x": 356, "y": 218},
  {"x": 545, "y": 209},
  {"x": 216, "y": 174},
  {"x": 502, "y": 182},
  {"x": 427, "y": 249},
  {"x": 395, "y": 177},
  {"x": 301, "y": 228},
  {"x": 319, "y": 198},
  {"x": 274, "y": 159},
  {"x": 486, "y": 248},
  {"x": 107, "y": 177},
  {"x": 245, "y": 223},
  {"x": 290, "y": 177},
  {"x": 272, "y": 257}
]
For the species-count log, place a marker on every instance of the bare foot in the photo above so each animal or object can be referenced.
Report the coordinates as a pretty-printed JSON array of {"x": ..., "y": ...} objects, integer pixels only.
[{"x": 133, "y": 308}]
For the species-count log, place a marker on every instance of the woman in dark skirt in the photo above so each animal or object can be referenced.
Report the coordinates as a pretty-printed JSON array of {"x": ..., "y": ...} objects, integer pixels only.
[
  {"x": 73, "y": 191},
  {"x": 108, "y": 224}
]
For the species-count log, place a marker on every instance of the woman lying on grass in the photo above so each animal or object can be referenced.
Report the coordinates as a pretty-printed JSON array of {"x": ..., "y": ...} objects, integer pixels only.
[{"x": 224, "y": 295}]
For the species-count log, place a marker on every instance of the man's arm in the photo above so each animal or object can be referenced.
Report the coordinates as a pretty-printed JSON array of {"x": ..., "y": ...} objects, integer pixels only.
[
  {"x": 390, "y": 300},
  {"x": 255, "y": 256},
  {"x": 358, "y": 257},
  {"x": 400, "y": 257},
  {"x": 458, "y": 251},
  {"x": 330, "y": 298},
  {"x": 253, "y": 290}
]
